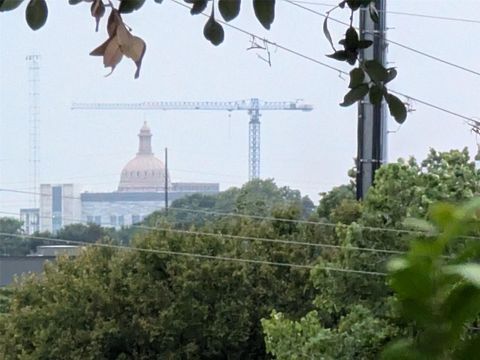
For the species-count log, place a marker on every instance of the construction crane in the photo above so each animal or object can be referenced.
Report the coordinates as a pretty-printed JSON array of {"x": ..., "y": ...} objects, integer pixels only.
[{"x": 252, "y": 106}]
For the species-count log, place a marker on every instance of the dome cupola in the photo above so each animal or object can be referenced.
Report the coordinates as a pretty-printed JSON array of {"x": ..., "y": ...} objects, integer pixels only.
[{"x": 145, "y": 172}]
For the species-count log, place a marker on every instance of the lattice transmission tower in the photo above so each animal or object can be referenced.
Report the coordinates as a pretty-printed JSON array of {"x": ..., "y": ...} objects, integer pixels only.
[{"x": 33, "y": 63}]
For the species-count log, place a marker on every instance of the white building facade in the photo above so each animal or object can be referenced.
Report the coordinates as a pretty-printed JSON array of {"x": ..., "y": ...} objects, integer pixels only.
[
  {"x": 143, "y": 184},
  {"x": 59, "y": 206}
]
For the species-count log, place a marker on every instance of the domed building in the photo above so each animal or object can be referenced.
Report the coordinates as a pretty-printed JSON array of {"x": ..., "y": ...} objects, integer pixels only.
[
  {"x": 145, "y": 172},
  {"x": 141, "y": 190}
]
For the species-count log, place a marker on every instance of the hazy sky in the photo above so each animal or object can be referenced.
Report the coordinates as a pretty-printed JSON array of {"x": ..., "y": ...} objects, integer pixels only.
[{"x": 309, "y": 151}]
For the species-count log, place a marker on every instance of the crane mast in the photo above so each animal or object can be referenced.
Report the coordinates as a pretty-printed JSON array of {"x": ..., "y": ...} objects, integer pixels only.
[{"x": 252, "y": 106}]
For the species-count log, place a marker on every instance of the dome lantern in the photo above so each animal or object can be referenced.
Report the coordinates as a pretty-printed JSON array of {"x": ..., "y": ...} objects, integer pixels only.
[
  {"x": 145, "y": 172},
  {"x": 145, "y": 140}
]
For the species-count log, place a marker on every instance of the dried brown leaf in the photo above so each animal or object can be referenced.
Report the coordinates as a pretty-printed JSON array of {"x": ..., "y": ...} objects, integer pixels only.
[
  {"x": 113, "y": 55},
  {"x": 131, "y": 46},
  {"x": 114, "y": 20},
  {"x": 138, "y": 51},
  {"x": 100, "y": 51},
  {"x": 98, "y": 10}
]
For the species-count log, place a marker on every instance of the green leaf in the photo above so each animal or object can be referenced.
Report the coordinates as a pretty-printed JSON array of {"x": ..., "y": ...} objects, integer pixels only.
[
  {"x": 213, "y": 31},
  {"x": 469, "y": 272},
  {"x": 375, "y": 70},
  {"x": 357, "y": 76},
  {"x": 373, "y": 12},
  {"x": 392, "y": 74},
  {"x": 128, "y": 6},
  {"x": 401, "y": 350},
  {"x": 442, "y": 214},
  {"x": 198, "y": 6},
  {"x": 397, "y": 108},
  {"x": 7, "y": 5},
  {"x": 340, "y": 55},
  {"x": 468, "y": 350},
  {"x": 354, "y": 4},
  {"x": 351, "y": 39},
  {"x": 462, "y": 304},
  {"x": 355, "y": 95},
  {"x": 326, "y": 32},
  {"x": 74, "y": 2},
  {"x": 397, "y": 264},
  {"x": 229, "y": 9},
  {"x": 420, "y": 225},
  {"x": 363, "y": 44},
  {"x": 36, "y": 14},
  {"x": 265, "y": 12},
  {"x": 376, "y": 94}
]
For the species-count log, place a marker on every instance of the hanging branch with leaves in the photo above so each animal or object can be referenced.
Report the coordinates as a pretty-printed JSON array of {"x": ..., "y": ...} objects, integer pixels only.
[
  {"x": 370, "y": 77},
  {"x": 367, "y": 78}
]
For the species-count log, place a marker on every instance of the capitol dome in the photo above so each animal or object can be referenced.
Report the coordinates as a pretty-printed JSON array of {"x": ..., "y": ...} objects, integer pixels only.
[{"x": 145, "y": 172}]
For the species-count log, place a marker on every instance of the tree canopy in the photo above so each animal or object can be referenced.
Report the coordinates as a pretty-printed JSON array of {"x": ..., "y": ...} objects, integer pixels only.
[{"x": 279, "y": 284}]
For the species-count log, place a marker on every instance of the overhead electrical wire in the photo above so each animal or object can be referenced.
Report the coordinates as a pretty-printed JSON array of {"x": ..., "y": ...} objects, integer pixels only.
[
  {"x": 242, "y": 237},
  {"x": 256, "y": 217},
  {"x": 420, "y": 15},
  {"x": 409, "y": 48},
  {"x": 198, "y": 256},
  {"x": 471, "y": 120}
]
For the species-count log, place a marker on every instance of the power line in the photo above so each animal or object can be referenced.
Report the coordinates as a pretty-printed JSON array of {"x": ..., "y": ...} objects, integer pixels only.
[
  {"x": 409, "y": 48},
  {"x": 278, "y": 241},
  {"x": 256, "y": 217},
  {"x": 460, "y": 67},
  {"x": 277, "y": 45},
  {"x": 199, "y": 256},
  {"x": 447, "y": 18},
  {"x": 242, "y": 237},
  {"x": 471, "y": 120},
  {"x": 427, "y": 16}
]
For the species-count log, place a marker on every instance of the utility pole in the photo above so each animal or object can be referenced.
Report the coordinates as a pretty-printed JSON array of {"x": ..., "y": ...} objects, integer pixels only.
[
  {"x": 372, "y": 119},
  {"x": 166, "y": 181}
]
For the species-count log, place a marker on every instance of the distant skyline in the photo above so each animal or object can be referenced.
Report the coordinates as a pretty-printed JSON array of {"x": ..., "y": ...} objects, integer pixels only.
[{"x": 311, "y": 152}]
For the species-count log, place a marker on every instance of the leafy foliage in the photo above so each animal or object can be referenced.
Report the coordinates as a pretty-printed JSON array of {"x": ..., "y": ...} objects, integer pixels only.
[
  {"x": 13, "y": 245},
  {"x": 153, "y": 304},
  {"x": 142, "y": 305},
  {"x": 120, "y": 42},
  {"x": 370, "y": 77},
  {"x": 440, "y": 295},
  {"x": 402, "y": 190},
  {"x": 358, "y": 335}
]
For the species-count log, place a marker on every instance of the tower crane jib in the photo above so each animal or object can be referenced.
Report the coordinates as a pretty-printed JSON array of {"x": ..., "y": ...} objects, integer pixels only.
[{"x": 253, "y": 107}]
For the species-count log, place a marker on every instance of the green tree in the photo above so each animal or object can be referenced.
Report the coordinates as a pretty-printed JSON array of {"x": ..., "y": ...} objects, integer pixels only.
[
  {"x": 439, "y": 294},
  {"x": 401, "y": 190},
  {"x": 83, "y": 233},
  {"x": 331, "y": 200},
  {"x": 13, "y": 245},
  {"x": 142, "y": 305}
]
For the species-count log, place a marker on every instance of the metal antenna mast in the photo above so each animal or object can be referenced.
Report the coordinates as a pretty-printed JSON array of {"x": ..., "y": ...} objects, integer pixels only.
[
  {"x": 33, "y": 61},
  {"x": 372, "y": 119},
  {"x": 252, "y": 106}
]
